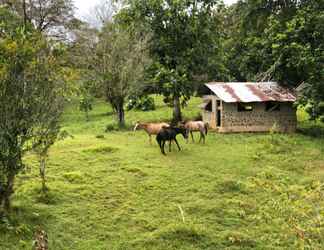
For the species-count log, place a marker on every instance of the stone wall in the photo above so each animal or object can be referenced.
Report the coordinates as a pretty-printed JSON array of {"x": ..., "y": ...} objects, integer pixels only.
[{"x": 259, "y": 119}]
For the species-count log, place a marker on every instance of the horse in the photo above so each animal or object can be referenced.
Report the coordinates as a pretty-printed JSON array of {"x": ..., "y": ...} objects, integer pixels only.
[
  {"x": 151, "y": 128},
  {"x": 169, "y": 134},
  {"x": 192, "y": 126}
]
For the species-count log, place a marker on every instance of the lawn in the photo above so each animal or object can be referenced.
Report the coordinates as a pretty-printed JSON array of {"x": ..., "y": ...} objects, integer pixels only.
[{"x": 113, "y": 190}]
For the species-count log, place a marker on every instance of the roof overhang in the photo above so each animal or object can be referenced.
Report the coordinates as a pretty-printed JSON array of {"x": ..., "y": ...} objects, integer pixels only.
[{"x": 251, "y": 92}]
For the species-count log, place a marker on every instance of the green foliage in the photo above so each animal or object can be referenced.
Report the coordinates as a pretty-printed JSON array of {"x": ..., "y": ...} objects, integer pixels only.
[
  {"x": 32, "y": 91},
  {"x": 120, "y": 62},
  {"x": 315, "y": 110},
  {"x": 184, "y": 37},
  {"x": 174, "y": 83},
  {"x": 86, "y": 99},
  {"x": 278, "y": 40},
  {"x": 321, "y": 118},
  {"x": 85, "y": 104},
  {"x": 52, "y": 18},
  {"x": 144, "y": 103}
]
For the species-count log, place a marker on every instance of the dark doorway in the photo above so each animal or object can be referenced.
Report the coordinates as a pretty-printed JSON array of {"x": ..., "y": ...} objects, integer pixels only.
[
  {"x": 219, "y": 116},
  {"x": 209, "y": 107}
]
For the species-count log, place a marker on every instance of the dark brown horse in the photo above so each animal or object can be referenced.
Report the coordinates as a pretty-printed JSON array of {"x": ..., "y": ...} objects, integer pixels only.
[{"x": 170, "y": 134}]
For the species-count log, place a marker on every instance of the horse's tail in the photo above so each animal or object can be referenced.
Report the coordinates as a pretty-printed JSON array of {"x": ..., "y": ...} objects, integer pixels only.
[{"x": 206, "y": 127}]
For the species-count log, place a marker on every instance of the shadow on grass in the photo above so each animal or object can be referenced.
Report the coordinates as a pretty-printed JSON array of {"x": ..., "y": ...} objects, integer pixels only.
[
  {"x": 100, "y": 115},
  {"x": 312, "y": 129},
  {"x": 177, "y": 236}
]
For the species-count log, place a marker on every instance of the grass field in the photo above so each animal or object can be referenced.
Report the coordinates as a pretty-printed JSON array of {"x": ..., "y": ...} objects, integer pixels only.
[{"x": 112, "y": 190}]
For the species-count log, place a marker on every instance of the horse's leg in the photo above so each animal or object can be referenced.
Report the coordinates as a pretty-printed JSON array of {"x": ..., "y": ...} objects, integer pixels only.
[
  {"x": 170, "y": 146},
  {"x": 192, "y": 136},
  {"x": 187, "y": 133},
  {"x": 202, "y": 137},
  {"x": 175, "y": 139},
  {"x": 150, "y": 136},
  {"x": 162, "y": 149}
]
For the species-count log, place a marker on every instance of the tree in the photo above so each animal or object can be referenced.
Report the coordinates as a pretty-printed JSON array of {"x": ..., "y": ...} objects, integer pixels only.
[
  {"x": 119, "y": 64},
  {"x": 185, "y": 36},
  {"x": 103, "y": 12},
  {"x": 47, "y": 133},
  {"x": 31, "y": 89},
  {"x": 279, "y": 40},
  {"x": 298, "y": 51},
  {"x": 86, "y": 100},
  {"x": 80, "y": 57},
  {"x": 174, "y": 83},
  {"x": 51, "y": 17}
]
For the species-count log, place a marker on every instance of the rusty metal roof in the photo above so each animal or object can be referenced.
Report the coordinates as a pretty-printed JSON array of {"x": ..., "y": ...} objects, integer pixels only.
[{"x": 251, "y": 92}]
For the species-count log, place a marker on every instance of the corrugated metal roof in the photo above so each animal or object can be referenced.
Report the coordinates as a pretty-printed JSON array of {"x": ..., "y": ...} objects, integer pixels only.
[{"x": 251, "y": 92}]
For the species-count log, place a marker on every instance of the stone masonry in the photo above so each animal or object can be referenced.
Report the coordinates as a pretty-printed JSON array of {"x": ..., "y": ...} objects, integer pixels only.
[{"x": 257, "y": 120}]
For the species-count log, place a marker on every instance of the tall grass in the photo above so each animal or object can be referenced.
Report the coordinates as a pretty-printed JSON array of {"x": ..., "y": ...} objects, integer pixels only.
[{"x": 113, "y": 190}]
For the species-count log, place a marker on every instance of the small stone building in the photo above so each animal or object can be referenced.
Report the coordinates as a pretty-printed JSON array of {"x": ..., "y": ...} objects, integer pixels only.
[{"x": 249, "y": 107}]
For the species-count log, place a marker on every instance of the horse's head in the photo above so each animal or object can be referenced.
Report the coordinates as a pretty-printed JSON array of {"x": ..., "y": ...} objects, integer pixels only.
[
  {"x": 137, "y": 124},
  {"x": 183, "y": 131}
]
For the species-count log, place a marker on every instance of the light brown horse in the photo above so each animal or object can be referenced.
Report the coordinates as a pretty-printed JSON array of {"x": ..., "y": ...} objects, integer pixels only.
[
  {"x": 192, "y": 126},
  {"x": 151, "y": 128}
]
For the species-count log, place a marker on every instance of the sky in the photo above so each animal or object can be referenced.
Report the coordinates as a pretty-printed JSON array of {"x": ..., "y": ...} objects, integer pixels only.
[{"x": 84, "y": 6}]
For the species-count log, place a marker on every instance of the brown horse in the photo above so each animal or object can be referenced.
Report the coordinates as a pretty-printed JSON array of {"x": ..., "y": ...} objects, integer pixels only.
[
  {"x": 192, "y": 126},
  {"x": 151, "y": 128},
  {"x": 170, "y": 134}
]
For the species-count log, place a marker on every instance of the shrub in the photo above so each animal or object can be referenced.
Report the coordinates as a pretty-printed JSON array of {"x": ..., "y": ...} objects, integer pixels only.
[
  {"x": 321, "y": 118},
  {"x": 111, "y": 127},
  {"x": 315, "y": 110},
  {"x": 85, "y": 104},
  {"x": 321, "y": 108}
]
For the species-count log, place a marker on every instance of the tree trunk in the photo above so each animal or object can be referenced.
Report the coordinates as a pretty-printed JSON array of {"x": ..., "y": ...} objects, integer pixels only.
[
  {"x": 8, "y": 191},
  {"x": 42, "y": 168},
  {"x": 121, "y": 116},
  {"x": 25, "y": 13},
  {"x": 176, "y": 110},
  {"x": 1, "y": 200}
]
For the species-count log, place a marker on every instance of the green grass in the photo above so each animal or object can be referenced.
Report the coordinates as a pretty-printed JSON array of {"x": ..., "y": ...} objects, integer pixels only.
[{"x": 116, "y": 191}]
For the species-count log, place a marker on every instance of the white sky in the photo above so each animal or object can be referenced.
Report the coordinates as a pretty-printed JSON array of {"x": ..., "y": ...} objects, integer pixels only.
[{"x": 84, "y": 6}]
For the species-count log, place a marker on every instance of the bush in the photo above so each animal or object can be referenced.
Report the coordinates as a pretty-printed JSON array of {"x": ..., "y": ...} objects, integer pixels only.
[
  {"x": 144, "y": 103},
  {"x": 321, "y": 108},
  {"x": 321, "y": 118},
  {"x": 85, "y": 104},
  {"x": 315, "y": 110},
  {"x": 111, "y": 127}
]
